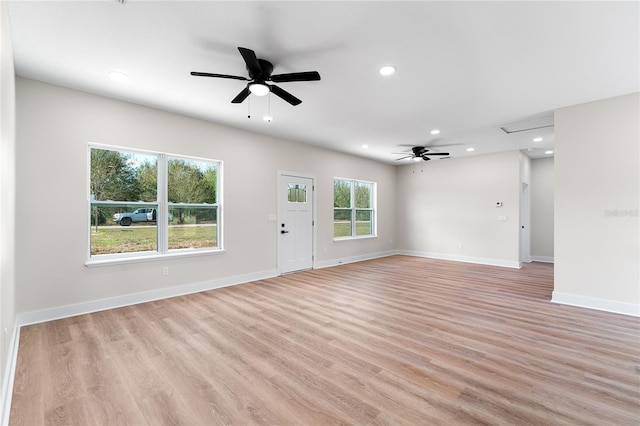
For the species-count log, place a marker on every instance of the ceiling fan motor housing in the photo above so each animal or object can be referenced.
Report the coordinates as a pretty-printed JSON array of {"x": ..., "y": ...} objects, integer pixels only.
[
  {"x": 418, "y": 151},
  {"x": 266, "y": 68}
]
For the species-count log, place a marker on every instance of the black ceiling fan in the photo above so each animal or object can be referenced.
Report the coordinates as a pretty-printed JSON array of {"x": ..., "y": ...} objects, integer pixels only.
[
  {"x": 259, "y": 73},
  {"x": 421, "y": 152}
]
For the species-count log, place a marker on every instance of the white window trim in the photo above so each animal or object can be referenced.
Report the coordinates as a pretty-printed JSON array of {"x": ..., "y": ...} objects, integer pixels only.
[
  {"x": 374, "y": 211},
  {"x": 150, "y": 256},
  {"x": 163, "y": 251}
]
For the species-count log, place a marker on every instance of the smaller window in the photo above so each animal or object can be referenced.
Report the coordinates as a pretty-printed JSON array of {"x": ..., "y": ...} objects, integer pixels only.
[{"x": 353, "y": 208}]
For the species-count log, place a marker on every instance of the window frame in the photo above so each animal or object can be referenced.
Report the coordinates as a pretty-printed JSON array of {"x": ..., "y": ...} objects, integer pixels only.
[
  {"x": 353, "y": 209},
  {"x": 163, "y": 205}
]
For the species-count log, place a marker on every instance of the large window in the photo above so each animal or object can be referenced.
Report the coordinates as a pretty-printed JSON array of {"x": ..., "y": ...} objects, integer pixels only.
[
  {"x": 353, "y": 208},
  {"x": 143, "y": 203}
]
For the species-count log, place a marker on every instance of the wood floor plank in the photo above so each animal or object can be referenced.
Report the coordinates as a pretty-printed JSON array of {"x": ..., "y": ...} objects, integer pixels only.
[{"x": 394, "y": 341}]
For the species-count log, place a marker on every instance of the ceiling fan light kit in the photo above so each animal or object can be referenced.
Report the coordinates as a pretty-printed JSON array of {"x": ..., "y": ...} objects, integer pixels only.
[
  {"x": 259, "y": 89},
  {"x": 259, "y": 73}
]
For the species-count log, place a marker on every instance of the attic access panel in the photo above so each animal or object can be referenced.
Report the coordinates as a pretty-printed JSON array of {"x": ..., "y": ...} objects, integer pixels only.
[{"x": 524, "y": 126}]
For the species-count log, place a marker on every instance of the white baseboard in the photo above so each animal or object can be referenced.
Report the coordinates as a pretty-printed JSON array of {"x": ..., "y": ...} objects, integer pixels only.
[
  {"x": 483, "y": 261},
  {"x": 10, "y": 373},
  {"x": 545, "y": 259},
  {"x": 595, "y": 303},
  {"x": 66, "y": 311},
  {"x": 352, "y": 259}
]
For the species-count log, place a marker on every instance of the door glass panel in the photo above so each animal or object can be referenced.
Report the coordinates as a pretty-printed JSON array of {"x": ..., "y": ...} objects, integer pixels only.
[{"x": 297, "y": 193}]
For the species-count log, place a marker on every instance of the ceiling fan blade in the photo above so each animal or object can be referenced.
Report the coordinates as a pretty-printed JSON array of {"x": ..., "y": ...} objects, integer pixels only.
[
  {"x": 435, "y": 153},
  {"x": 241, "y": 96},
  {"x": 206, "y": 74},
  {"x": 285, "y": 95},
  {"x": 434, "y": 146},
  {"x": 296, "y": 76},
  {"x": 404, "y": 158},
  {"x": 251, "y": 60}
]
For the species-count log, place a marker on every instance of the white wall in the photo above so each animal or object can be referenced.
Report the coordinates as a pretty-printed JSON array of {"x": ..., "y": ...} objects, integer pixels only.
[
  {"x": 597, "y": 196},
  {"x": 542, "y": 193},
  {"x": 7, "y": 203},
  {"x": 54, "y": 126},
  {"x": 446, "y": 204}
]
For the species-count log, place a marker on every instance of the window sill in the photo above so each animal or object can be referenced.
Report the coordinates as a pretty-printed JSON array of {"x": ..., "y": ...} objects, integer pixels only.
[
  {"x": 361, "y": 237},
  {"x": 93, "y": 262}
]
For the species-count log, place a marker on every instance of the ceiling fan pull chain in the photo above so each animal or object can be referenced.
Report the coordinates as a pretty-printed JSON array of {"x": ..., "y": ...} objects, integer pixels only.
[{"x": 249, "y": 108}]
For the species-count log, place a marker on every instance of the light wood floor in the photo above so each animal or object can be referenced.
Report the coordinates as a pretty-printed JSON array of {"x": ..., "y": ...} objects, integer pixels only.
[{"x": 399, "y": 340}]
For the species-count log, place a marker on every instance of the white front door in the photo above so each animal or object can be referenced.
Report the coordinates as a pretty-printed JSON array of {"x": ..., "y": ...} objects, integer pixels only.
[{"x": 295, "y": 223}]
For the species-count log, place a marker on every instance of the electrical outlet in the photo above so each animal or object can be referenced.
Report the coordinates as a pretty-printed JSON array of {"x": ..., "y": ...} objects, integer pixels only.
[{"x": 165, "y": 271}]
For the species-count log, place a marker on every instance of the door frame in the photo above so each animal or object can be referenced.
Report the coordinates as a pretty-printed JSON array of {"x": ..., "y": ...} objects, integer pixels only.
[
  {"x": 280, "y": 201},
  {"x": 525, "y": 223}
]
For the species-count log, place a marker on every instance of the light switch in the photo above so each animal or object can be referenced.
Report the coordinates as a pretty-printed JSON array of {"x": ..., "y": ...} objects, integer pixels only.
[
  {"x": 272, "y": 218},
  {"x": 502, "y": 218}
]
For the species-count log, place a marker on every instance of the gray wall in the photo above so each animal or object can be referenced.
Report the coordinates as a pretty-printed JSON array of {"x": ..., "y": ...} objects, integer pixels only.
[
  {"x": 542, "y": 192},
  {"x": 447, "y": 208},
  {"x": 597, "y": 196},
  {"x": 56, "y": 124},
  {"x": 7, "y": 199},
  {"x": 441, "y": 209}
]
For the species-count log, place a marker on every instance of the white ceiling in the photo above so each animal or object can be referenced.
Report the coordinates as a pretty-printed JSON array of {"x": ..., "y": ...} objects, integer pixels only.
[{"x": 465, "y": 68}]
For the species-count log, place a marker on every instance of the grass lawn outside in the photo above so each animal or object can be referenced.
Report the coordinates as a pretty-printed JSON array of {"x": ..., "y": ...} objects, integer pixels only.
[
  {"x": 138, "y": 238},
  {"x": 342, "y": 228},
  {"x": 132, "y": 239}
]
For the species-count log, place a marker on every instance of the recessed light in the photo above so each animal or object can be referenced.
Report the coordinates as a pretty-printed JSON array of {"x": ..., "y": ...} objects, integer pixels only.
[
  {"x": 549, "y": 152},
  {"x": 470, "y": 149},
  {"x": 365, "y": 146},
  {"x": 387, "y": 70},
  {"x": 118, "y": 76},
  {"x": 538, "y": 139},
  {"x": 435, "y": 131}
]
